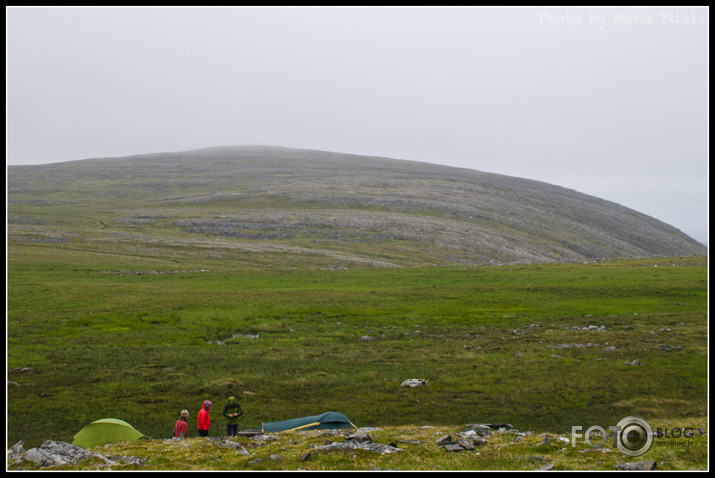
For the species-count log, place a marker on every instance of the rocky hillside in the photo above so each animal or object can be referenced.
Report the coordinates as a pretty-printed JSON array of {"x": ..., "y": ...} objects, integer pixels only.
[{"x": 338, "y": 209}]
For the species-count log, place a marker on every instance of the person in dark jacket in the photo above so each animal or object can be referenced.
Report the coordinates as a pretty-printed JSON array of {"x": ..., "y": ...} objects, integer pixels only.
[
  {"x": 232, "y": 411},
  {"x": 204, "y": 420}
]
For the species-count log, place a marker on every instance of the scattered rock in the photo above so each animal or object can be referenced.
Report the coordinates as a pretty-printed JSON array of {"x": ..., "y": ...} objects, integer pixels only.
[
  {"x": 352, "y": 445},
  {"x": 638, "y": 465},
  {"x": 465, "y": 441},
  {"x": 634, "y": 363},
  {"x": 596, "y": 328},
  {"x": 367, "y": 338},
  {"x": 548, "y": 467},
  {"x": 414, "y": 383},
  {"x": 596, "y": 450},
  {"x": 21, "y": 370},
  {"x": 666, "y": 348},
  {"x": 569, "y": 346},
  {"x": 129, "y": 460},
  {"x": 473, "y": 437},
  {"x": 361, "y": 429}
]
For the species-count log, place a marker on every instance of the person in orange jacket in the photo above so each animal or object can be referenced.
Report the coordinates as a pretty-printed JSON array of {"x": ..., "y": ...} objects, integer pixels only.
[{"x": 204, "y": 419}]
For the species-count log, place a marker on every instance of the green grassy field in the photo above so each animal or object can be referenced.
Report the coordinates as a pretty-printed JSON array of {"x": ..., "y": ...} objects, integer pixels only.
[{"x": 140, "y": 337}]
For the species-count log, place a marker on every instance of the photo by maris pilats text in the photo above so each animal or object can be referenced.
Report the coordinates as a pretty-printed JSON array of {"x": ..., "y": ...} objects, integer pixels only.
[{"x": 601, "y": 19}]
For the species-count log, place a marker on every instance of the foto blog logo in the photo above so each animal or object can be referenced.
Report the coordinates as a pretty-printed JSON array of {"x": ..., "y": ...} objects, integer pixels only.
[{"x": 633, "y": 436}]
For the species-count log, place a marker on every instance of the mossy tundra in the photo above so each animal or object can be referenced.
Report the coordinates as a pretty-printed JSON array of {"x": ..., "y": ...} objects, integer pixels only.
[
  {"x": 137, "y": 288},
  {"x": 542, "y": 347}
]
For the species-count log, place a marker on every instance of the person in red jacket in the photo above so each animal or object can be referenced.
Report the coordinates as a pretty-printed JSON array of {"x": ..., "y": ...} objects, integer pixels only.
[
  {"x": 181, "y": 428},
  {"x": 204, "y": 419}
]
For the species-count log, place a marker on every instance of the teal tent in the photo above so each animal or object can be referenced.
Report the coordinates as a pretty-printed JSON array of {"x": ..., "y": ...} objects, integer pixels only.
[
  {"x": 106, "y": 430},
  {"x": 327, "y": 420}
]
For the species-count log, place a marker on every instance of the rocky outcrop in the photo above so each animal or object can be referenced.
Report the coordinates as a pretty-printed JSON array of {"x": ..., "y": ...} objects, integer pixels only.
[{"x": 55, "y": 453}]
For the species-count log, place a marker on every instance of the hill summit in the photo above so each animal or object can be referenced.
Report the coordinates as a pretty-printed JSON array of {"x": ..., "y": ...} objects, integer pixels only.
[{"x": 324, "y": 208}]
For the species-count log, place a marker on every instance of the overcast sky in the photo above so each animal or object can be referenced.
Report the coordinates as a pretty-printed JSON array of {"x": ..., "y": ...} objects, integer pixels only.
[{"x": 610, "y": 102}]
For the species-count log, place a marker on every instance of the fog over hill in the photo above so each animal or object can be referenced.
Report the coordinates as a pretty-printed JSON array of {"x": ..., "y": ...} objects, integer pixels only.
[{"x": 346, "y": 209}]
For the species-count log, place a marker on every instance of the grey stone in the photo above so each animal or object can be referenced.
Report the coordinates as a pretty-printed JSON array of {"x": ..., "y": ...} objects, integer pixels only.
[
  {"x": 453, "y": 448},
  {"x": 44, "y": 457},
  {"x": 444, "y": 440},
  {"x": 478, "y": 440},
  {"x": 499, "y": 426},
  {"x": 229, "y": 444},
  {"x": 466, "y": 444},
  {"x": 359, "y": 436},
  {"x": 53, "y": 453},
  {"x": 414, "y": 383},
  {"x": 15, "y": 450},
  {"x": 638, "y": 465},
  {"x": 482, "y": 430}
]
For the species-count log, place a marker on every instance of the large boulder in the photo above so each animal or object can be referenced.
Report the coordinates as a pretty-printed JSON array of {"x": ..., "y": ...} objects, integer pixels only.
[{"x": 54, "y": 453}]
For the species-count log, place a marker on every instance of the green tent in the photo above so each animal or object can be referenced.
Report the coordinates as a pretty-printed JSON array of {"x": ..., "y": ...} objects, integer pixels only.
[
  {"x": 106, "y": 430},
  {"x": 327, "y": 420}
]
